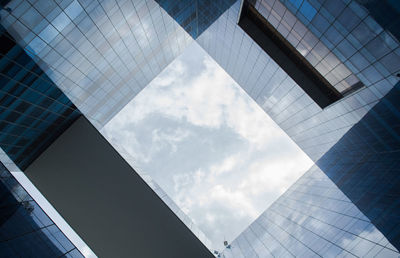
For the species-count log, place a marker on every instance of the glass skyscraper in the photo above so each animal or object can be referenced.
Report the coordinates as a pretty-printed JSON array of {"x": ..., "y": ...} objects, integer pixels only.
[
  {"x": 345, "y": 205},
  {"x": 326, "y": 71},
  {"x": 100, "y": 54}
]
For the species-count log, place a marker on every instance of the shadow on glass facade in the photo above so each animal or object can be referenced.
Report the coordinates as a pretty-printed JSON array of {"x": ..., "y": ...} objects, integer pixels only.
[
  {"x": 345, "y": 205},
  {"x": 386, "y": 13},
  {"x": 365, "y": 165},
  {"x": 33, "y": 110},
  {"x": 195, "y": 16},
  {"x": 25, "y": 230}
]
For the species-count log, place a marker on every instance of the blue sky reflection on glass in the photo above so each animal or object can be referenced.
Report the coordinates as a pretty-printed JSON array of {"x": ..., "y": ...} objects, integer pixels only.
[{"x": 211, "y": 148}]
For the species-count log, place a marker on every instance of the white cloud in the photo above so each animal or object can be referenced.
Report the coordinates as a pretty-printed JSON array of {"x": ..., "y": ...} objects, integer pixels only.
[
  {"x": 171, "y": 138},
  {"x": 209, "y": 100},
  {"x": 227, "y": 165},
  {"x": 120, "y": 134},
  {"x": 274, "y": 176},
  {"x": 233, "y": 193}
]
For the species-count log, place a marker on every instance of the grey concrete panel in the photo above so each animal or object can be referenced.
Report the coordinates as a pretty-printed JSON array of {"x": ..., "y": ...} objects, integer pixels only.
[{"x": 106, "y": 202}]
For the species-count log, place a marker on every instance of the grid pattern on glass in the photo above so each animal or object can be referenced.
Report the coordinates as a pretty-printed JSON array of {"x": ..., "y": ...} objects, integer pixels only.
[
  {"x": 184, "y": 13},
  {"x": 193, "y": 15},
  {"x": 306, "y": 43},
  {"x": 346, "y": 204},
  {"x": 99, "y": 53},
  {"x": 33, "y": 110},
  {"x": 312, "y": 218},
  {"x": 337, "y": 30},
  {"x": 365, "y": 165},
  {"x": 25, "y": 230},
  {"x": 313, "y": 129}
]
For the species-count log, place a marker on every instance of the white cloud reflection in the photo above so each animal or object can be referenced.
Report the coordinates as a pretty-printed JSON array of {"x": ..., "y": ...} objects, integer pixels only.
[{"x": 208, "y": 145}]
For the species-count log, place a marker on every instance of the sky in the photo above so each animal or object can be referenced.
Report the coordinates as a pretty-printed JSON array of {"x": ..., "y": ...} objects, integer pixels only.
[{"x": 211, "y": 148}]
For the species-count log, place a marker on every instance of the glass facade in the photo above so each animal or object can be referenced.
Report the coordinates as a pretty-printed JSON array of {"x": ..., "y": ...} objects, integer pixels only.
[
  {"x": 312, "y": 218},
  {"x": 346, "y": 205},
  {"x": 314, "y": 129},
  {"x": 365, "y": 165},
  {"x": 95, "y": 56},
  {"x": 195, "y": 16},
  {"x": 25, "y": 230},
  {"x": 33, "y": 110},
  {"x": 99, "y": 53},
  {"x": 296, "y": 21}
]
